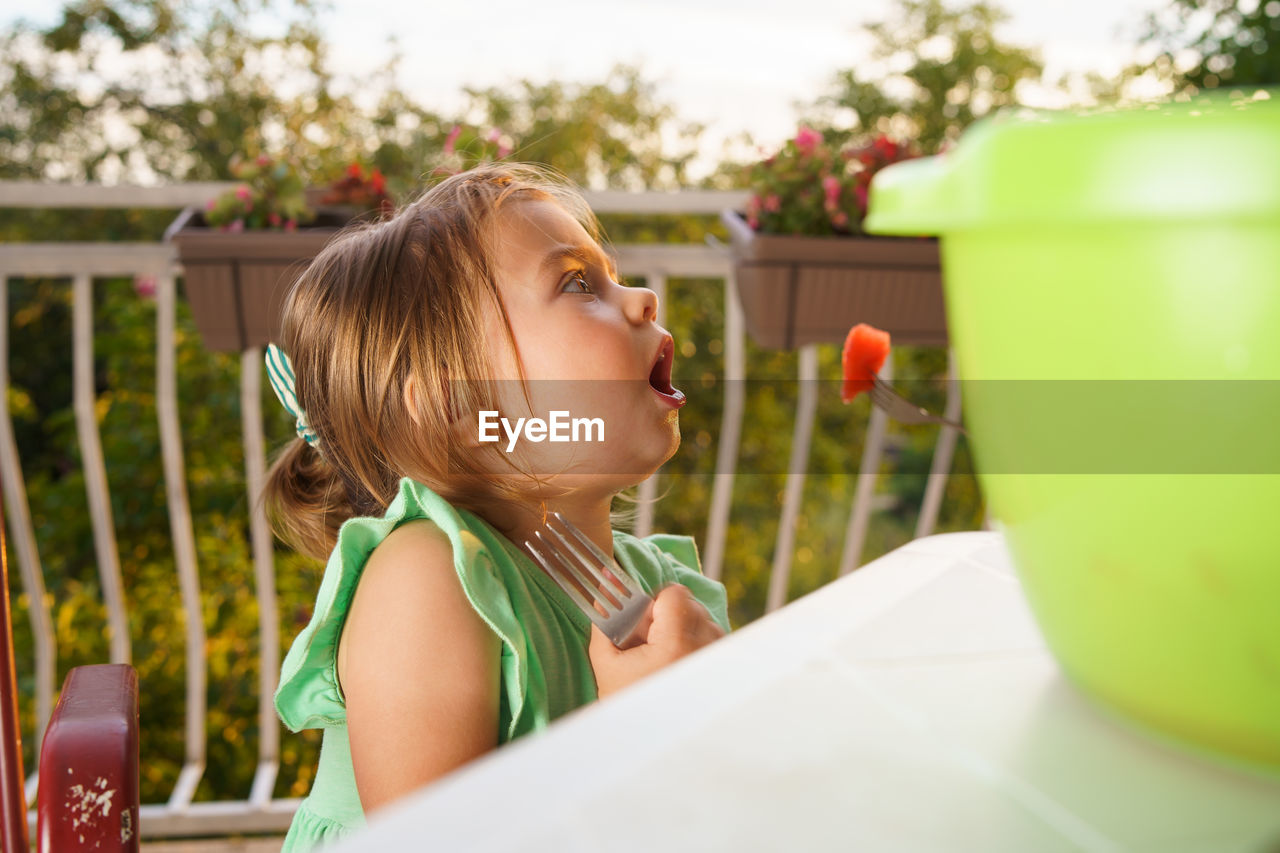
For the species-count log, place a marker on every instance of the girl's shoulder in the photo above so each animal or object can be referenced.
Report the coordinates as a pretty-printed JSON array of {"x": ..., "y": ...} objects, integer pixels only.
[
  {"x": 418, "y": 526},
  {"x": 658, "y": 555},
  {"x": 667, "y": 548},
  {"x": 408, "y": 584},
  {"x": 414, "y": 540}
]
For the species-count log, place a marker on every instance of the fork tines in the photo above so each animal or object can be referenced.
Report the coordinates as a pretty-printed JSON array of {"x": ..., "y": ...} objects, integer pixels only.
[{"x": 583, "y": 571}]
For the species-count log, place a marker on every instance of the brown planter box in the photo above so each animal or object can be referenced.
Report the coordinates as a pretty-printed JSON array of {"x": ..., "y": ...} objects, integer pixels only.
[
  {"x": 803, "y": 290},
  {"x": 236, "y": 283}
]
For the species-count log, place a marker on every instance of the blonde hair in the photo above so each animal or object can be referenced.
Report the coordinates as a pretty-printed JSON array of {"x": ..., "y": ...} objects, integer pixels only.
[{"x": 387, "y": 304}]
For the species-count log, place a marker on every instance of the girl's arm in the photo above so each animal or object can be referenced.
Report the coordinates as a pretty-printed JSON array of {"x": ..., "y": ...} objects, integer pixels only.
[{"x": 418, "y": 667}]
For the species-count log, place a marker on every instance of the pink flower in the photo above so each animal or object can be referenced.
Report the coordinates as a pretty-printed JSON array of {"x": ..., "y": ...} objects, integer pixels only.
[
  {"x": 860, "y": 193},
  {"x": 291, "y": 225},
  {"x": 236, "y": 226},
  {"x": 495, "y": 135},
  {"x": 452, "y": 139},
  {"x": 831, "y": 188},
  {"x": 807, "y": 140},
  {"x": 885, "y": 147},
  {"x": 243, "y": 193},
  {"x": 753, "y": 221},
  {"x": 210, "y": 204},
  {"x": 145, "y": 286},
  {"x": 274, "y": 219},
  {"x": 773, "y": 203},
  {"x": 264, "y": 160},
  {"x": 503, "y": 150}
]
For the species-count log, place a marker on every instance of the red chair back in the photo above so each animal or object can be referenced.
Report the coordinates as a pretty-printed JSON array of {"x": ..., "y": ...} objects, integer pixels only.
[
  {"x": 89, "y": 764},
  {"x": 89, "y": 792}
]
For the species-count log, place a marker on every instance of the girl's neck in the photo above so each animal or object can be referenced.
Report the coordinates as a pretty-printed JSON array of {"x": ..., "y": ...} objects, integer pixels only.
[{"x": 589, "y": 514}]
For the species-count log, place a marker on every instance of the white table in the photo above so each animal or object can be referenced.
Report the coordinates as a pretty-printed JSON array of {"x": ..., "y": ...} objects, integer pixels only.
[{"x": 909, "y": 706}]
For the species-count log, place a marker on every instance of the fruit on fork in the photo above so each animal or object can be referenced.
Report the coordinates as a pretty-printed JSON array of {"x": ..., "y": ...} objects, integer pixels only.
[{"x": 865, "y": 351}]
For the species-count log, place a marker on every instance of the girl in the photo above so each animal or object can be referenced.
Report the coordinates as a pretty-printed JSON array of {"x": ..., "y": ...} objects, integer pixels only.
[{"x": 434, "y": 637}]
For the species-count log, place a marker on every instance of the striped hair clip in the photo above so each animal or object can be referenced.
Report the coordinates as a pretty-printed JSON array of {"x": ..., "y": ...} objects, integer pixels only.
[{"x": 280, "y": 374}]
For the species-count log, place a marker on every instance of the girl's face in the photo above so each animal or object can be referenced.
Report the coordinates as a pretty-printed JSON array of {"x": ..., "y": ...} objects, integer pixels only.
[{"x": 591, "y": 351}]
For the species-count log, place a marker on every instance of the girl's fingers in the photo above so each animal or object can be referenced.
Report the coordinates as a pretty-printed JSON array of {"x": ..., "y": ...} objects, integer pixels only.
[
  {"x": 672, "y": 604},
  {"x": 681, "y": 621}
]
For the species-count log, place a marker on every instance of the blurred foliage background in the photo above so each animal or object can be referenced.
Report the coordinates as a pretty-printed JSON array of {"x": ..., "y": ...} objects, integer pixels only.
[{"x": 169, "y": 90}]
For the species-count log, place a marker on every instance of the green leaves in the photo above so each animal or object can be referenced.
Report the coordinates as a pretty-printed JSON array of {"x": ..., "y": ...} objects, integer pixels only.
[
  {"x": 1234, "y": 43},
  {"x": 90, "y": 16},
  {"x": 953, "y": 71},
  {"x": 608, "y": 134},
  {"x": 67, "y": 114}
]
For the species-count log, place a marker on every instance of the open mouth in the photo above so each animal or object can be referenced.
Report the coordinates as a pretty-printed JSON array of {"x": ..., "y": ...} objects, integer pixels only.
[{"x": 660, "y": 375}]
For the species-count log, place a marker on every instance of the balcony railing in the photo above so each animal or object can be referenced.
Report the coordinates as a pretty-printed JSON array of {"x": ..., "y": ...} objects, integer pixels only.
[{"x": 86, "y": 264}]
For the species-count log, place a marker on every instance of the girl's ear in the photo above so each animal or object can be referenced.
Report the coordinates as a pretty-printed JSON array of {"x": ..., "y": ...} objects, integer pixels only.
[{"x": 411, "y": 401}]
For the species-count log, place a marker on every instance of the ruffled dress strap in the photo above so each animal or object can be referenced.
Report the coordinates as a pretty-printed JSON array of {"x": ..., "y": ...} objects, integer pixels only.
[{"x": 309, "y": 695}]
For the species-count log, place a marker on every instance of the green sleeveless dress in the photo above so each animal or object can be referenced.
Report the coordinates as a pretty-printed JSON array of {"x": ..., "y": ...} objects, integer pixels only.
[{"x": 545, "y": 671}]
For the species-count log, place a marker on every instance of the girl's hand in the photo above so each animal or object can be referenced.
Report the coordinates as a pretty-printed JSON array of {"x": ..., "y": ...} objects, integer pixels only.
[{"x": 679, "y": 625}]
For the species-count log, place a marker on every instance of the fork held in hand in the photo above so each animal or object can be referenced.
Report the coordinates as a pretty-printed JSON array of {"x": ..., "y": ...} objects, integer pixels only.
[
  {"x": 609, "y": 597},
  {"x": 901, "y": 409}
]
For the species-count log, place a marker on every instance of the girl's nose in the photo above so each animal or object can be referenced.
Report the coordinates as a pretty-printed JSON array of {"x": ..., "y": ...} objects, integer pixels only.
[{"x": 640, "y": 304}]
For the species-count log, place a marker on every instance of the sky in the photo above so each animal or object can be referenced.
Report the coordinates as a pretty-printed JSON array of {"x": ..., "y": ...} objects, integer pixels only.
[{"x": 733, "y": 66}]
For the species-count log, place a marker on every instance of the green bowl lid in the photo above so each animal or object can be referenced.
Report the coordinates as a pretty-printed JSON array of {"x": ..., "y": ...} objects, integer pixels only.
[{"x": 1213, "y": 157}]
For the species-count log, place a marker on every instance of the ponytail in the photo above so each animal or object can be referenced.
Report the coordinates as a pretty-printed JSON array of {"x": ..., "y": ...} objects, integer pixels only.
[{"x": 306, "y": 500}]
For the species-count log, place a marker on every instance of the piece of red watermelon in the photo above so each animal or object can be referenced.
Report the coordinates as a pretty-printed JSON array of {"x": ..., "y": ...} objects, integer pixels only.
[{"x": 865, "y": 350}]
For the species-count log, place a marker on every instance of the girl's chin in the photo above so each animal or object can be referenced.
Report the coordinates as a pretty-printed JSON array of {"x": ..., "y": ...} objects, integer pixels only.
[
  {"x": 602, "y": 464},
  {"x": 582, "y": 481}
]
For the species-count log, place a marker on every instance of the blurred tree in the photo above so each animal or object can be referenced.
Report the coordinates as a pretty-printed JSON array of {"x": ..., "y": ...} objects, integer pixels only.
[
  {"x": 139, "y": 89},
  {"x": 122, "y": 89},
  {"x": 606, "y": 135},
  {"x": 942, "y": 68},
  {"x": 1205, "y": 44}
]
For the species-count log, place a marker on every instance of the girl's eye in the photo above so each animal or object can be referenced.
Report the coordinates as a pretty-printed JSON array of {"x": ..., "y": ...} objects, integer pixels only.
[{"x": 576, "y": 282}]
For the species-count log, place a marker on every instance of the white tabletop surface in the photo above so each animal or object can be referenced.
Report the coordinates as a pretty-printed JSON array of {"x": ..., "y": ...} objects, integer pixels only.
[{"x": 909, "y": 706}]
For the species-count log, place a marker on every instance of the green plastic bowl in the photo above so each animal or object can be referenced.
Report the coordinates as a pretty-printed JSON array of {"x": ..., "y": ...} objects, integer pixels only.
[{"x": 1112, "y": 282}]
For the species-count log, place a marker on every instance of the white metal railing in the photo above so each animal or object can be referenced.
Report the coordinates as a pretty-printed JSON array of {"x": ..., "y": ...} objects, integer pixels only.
[{"x": 82, "y": 263}]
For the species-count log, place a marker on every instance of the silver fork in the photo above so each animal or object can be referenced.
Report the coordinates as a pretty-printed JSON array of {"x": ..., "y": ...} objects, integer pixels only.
[
  {"x": 901, "y": 409},
  {"x": 602, "y": 590}
]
